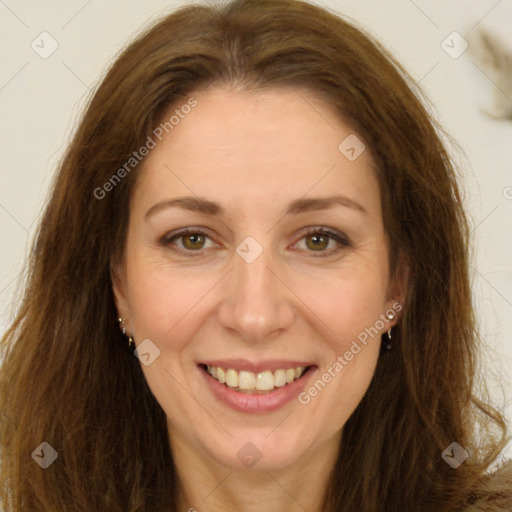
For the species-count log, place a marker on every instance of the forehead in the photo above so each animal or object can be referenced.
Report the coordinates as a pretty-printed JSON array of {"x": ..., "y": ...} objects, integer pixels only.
[{"x": 262, "y": 146}]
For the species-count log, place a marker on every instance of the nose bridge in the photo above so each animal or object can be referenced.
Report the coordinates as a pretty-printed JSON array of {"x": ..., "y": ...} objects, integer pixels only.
[{"x": 255, "y": 303}]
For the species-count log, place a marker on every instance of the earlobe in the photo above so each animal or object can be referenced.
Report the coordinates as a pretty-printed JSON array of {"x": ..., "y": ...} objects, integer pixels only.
[
  {"x": 400, "y": 285},
  {"x": 118, "y": 283}
]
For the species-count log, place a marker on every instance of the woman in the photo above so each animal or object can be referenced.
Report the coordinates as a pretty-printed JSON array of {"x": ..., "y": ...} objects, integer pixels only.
[{"x": 249, "y": 289}]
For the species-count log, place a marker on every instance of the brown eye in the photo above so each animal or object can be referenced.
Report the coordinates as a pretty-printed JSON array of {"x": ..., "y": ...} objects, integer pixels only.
[
  {"x": 317, "y": 242},
  {"x": 193, "y": 241},
  {"x": 187, "y": 241}
]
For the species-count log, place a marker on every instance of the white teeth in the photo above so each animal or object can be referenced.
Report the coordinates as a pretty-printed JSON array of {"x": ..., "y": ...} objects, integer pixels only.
[
  {"x": 279, "y": 378},
  {"x": 231, "y": 378},
  {"x": 265, "y": 381},
  {"x": 245, "y": 381}
]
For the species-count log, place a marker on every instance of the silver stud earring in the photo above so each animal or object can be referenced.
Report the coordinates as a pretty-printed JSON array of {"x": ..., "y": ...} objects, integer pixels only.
[
  {"x": 387, "y": 343},
  {"x": 123, "y": 329}
]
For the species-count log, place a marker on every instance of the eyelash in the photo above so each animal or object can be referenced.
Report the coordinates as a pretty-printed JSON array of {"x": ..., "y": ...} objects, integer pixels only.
[{"x": 320, "y": 230}]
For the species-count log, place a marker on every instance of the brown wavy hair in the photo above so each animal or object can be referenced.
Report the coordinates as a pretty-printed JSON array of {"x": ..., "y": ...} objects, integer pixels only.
[{"x": 68, "y": 378}]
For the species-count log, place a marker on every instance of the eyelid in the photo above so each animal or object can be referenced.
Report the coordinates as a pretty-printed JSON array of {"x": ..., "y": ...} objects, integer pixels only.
[
  {"x": 311, "y": 230},
  {"x": 184, "y": 231},
  {"x": 168, "y": 238},
  {"x": 333, "y": 234},
  {"x": 341, "y": 239}
]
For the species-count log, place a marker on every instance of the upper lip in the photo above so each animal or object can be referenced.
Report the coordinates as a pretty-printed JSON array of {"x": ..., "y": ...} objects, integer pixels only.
[{"x": 256, "y": 367}]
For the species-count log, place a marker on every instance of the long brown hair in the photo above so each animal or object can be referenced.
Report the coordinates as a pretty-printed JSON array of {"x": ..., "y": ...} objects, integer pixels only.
[{"x": 67, "y": 378}]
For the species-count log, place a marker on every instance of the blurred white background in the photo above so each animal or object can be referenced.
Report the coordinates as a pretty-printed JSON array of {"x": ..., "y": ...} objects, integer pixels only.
[{"x": 40, "y": 99}]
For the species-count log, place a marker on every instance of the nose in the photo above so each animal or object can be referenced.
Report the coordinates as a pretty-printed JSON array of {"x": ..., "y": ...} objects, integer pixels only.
[{"x": 256, "y": 303}]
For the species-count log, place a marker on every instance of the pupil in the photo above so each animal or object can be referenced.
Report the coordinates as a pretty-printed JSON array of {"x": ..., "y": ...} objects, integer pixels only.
[
  {"x": 194, "y": 239},
  {"x": 318, "y": 240}
]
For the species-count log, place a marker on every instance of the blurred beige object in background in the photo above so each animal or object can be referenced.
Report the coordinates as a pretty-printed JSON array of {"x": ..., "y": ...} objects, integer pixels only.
[{"x": 491, "y": 48}]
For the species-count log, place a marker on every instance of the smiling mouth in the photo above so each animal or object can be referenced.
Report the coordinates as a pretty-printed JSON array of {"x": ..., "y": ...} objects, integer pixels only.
[{"x": 255, "y": 383}]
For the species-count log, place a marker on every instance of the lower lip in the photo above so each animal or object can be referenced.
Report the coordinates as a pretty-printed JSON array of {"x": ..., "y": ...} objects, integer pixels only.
[{"x": 256, "y": 403}]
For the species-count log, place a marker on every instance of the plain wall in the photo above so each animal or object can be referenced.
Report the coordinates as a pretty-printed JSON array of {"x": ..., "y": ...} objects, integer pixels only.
[{"x": 41, "y": 98}]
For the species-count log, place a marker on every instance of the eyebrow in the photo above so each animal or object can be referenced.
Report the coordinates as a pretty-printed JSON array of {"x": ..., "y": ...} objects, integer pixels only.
[{"x": 206, "y": 207}]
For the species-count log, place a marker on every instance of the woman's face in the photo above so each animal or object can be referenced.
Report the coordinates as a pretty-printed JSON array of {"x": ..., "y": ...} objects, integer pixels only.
[{"x": 250, "y": 289}]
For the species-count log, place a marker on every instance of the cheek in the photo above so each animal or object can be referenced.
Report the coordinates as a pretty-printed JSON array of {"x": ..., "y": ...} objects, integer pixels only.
[
  {"x": 158, "y": 304},
  {"x": 347, "y": 388},
  {"x": 348, "y": 302},
  {"x": 351, "y": 306},
  {"x": 353, "y": 315},
  {"x": 167, "y": 304}
]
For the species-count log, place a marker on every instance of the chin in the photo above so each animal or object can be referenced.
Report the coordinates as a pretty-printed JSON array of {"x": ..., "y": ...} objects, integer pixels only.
[{"x": 264, "y": 449}]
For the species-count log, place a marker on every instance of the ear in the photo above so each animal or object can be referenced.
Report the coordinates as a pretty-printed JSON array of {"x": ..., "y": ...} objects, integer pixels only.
[
  {"x": 118, "y": 280},
  {"x": 397, "y": 292}
]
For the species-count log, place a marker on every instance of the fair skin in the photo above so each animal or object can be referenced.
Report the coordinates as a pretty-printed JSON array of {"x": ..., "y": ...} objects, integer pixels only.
[{"x": 254, "y": 154}]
